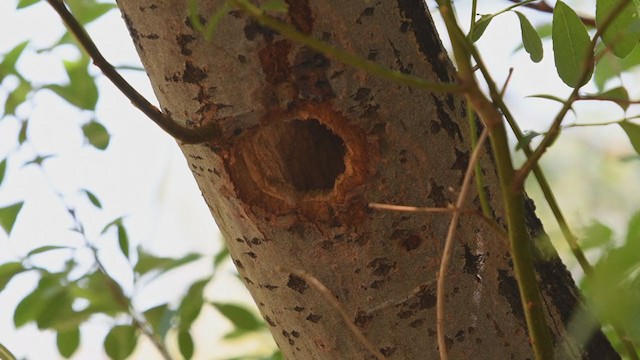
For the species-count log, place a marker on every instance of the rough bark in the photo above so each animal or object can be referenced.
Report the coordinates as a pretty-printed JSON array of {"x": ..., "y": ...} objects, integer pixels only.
[{"x": 308, "y": 143}]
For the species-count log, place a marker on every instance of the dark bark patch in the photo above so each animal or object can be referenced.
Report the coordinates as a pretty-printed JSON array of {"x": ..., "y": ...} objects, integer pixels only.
[
  {"x": 377, "y": 284},
  {"x": 387, "y": 351},
  {"x": 275, "y": 63},
  {"x": 301, "y": 16},
  {"x": 132, "y": 31},
  {"x": 193, "y": 74},
  {"x": 253, "y": 29},
  {"x": 427, "y": 38},
  {"x": 298, "y": 308},
  {"x": 251, "y": 254},
  {"x": 297, "y": 283},
  {"x": 269, "y": 321},
  {"x": 270, "y": 287},
  {"x": 472, "y": 263},
  {"x": 183, "y": 41},
  {"x": 362, "y": 319},
  {"x": 405, "y": 314},
  {"x": 417, "y": 323},
  {"x": 362, "y": 94},
  {"x": 314, "y": 318},
  {"x": 412, "y": 242},
  {"x": 446, "y": 122},
  {"x": 310, "y": 78},
  {"x": 256, "y": 241},
  {"x": 382, "y": 266},
  {"x": 238, "y": 264},
  {"x": 437, "y": 194},
  {"x": 462, "y": 160},
  {"x": 368, "y": 11},
  {"x": 427, "y": 299},
  {"x": 508, "y": 288}
]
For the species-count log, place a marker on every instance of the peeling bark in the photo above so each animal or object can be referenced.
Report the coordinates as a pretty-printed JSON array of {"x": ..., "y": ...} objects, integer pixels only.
[{"x": 308, "y": 143}]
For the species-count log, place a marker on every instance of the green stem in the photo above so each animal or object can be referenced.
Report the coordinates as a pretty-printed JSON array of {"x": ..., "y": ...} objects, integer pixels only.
[
  {"x": 519, "y": 240},
  {"x": 571, "y": 239},
  {"x": 5, "y": 354},
  {"x": 482, "y": 195}
]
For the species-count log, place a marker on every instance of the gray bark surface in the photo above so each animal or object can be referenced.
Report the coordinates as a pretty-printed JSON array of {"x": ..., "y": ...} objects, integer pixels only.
[{"x": 308, "y": 143}]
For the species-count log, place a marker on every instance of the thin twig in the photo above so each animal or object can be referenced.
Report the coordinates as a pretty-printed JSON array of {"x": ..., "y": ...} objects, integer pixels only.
[
  {"x": 404, "y": 208},
  {"x": 208, "y": 132},
  {"x": 544, "y": 7},
  {"x": 448, "y": 246},
  {"x": 331, "y": 298}
]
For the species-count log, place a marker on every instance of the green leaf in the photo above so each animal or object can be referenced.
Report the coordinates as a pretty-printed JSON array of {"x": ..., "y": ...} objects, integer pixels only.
[
  {"x": 241, "y": 317},
  {"x": 159, "y": 317},
  {"x": 3, "y": 170},
  {"x": 101, "y": 292},
  {"x": 275, "y": 5},
  {"x": 120, "y": 342},
  {"x": 38, "y": 160},
  {"x": 94, "y": 199},
  {"x": 480, "y": 27},
  {"x": 8, "y": 271},
  {"x": 45, "y": 248},
  {"x": 22, "y": 135},
  {"x": 17, "y": 97},
  {"x": 633, "y": 232},
  {"x": 8, "y": 216},
  {"x": 277, "y": 355},
  {"x": 221, "y": 256},
  {"x": 185, "y": 343},
  {"x": 96, "y": 134},
  {"x": 192, "y": 303},
  {"x": 530, "y": 38},
  {"x": 596, "y": 235},
  {"x": 26, "y": 3},
  {"x": 623, "y": 32},
  {"x": 526, "y": 139},
  {"x": 68, "y": 342},
  {"x": 81, "y": 90},
  {"x": 611, "y": 66},
  {"x": 29, "y": 308},
  {"x": 86, "y": 11},
  {"x": 57, "y": 311},
  {"x": 633, "y": 132},
  {"x": 150, "y": 263},
  {"x": 123, "y": 240},
  {"x": 8, "y": 64},
  {"x": 571, "y": 46},
  {"x": 617, "y": 95}
]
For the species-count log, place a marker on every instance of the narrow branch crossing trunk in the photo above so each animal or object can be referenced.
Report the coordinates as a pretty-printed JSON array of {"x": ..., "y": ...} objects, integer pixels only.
[{"x": 308, "y": 143}]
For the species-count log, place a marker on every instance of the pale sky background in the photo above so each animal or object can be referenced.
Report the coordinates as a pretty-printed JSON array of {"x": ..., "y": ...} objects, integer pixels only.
[{"x": 143, "y": 175}]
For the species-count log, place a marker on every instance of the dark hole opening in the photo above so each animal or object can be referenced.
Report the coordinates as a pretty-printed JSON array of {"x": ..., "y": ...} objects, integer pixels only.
[{"x": 312, "y": 155}]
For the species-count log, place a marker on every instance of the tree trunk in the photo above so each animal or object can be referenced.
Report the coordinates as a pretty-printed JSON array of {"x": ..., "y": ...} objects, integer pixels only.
[{"x": 308, "y": 143}]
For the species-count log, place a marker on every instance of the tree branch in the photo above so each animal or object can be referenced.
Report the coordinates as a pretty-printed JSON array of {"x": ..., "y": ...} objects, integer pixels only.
[
  {"x": 544, "y": 7},
  {"x": 208, "y": 132}
]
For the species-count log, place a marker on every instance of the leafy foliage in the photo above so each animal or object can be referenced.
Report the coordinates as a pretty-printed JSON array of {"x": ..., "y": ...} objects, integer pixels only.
[{"x": 571, "y": 46}]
